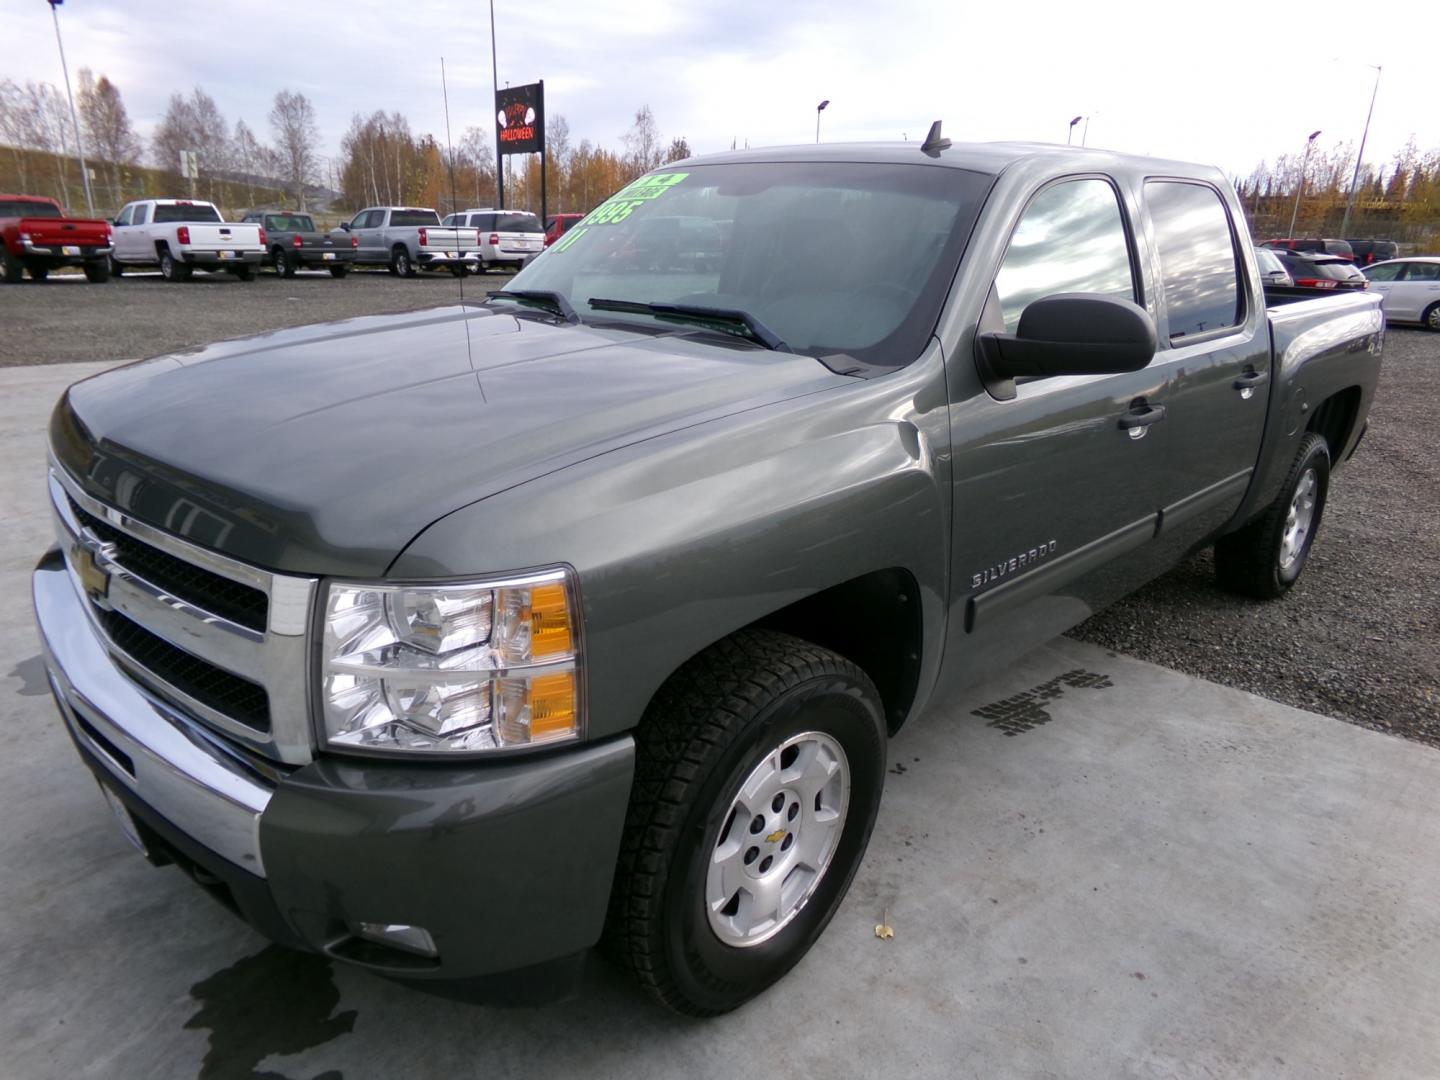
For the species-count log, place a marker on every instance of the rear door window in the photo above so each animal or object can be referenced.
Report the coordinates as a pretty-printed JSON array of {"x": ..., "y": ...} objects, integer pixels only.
[
  {"x": 1418, "y": 271},
  {"x": 1199, "y": 267},
  {"x": 1071, "y": 238}
]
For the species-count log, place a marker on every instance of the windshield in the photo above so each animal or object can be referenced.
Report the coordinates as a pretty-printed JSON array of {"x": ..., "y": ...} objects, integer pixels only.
[
  {"x": 411, "y": 218},
  {"x": 833, "y": 257},
  {"x": 289, "y": 223},
  {"x": 170, "y": 213},
  {"x": 25, "y": 208}
]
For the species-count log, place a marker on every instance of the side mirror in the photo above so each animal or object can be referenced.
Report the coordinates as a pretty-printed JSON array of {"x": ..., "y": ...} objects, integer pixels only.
[
  {"x": 345, "y": 225},
  {"x": 1072, "y": 334}
]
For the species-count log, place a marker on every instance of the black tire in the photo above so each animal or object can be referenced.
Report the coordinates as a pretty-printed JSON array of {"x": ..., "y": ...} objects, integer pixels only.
[
  {"x": 12, "y": 270},
  {"x": 171, "y": 268},
  {"x": 338, "y": 271},
  {"x": 1255, "y": 560},
  {"x": 400, "y": 261},
  {"x": 458, "y": 270},
  {"x": 284, "y": 265},
  {"x": 712, "y": 723},
  {"x": 39, "y": 273},
  {"x": 478, "y": 266},
  {"x": 1431, "y": 318},
  {"x": 246, "y": 272},
  {"x": 116, "y": 266},
  {"x": 97, "y": 272}
]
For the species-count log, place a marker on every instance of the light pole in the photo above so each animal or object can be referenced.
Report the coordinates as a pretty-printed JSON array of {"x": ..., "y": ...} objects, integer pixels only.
[
  {"x": 1355, "y": 178},
  {"x": 495, "y": 101},
  {"x": 79, "y": 146},
  {"x": 1071, "y": 133},
  {"x": 818, "y": 110},
  {"x": 1300, "y": 188}
]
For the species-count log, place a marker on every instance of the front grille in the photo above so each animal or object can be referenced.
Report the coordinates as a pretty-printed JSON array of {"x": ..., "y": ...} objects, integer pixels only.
[
  {"x": 214, "y": 688},
  {"x": 231, "y": 600}
]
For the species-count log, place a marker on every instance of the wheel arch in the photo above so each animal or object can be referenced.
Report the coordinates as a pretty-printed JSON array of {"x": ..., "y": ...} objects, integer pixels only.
[{"x": 1334, "y": 420}]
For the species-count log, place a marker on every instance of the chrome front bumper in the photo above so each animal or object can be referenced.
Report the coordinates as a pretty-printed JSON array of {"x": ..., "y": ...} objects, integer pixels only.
[{"x": 177, "y": 768}]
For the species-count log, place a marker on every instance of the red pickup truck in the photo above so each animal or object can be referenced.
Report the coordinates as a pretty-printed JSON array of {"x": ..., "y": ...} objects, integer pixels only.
[{"x": 35, "y": 235}]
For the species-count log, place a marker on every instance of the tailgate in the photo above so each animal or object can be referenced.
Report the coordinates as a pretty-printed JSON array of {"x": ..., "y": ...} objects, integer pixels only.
[
  {"x": 451, "y": 238},
  {"x": 225, "y": 236},
  {"x": 56, "y": 232}
]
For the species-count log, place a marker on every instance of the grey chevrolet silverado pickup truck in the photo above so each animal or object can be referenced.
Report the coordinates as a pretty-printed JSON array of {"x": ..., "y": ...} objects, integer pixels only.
[{"x": 453, "y": 644}]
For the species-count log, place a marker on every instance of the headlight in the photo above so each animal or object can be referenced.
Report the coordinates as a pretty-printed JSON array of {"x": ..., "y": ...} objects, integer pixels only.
[{"x": 476, "y": 666}]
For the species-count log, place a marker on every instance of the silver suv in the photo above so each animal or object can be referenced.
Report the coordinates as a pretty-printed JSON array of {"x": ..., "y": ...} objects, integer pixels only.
[{"x": 507, "y": 237}]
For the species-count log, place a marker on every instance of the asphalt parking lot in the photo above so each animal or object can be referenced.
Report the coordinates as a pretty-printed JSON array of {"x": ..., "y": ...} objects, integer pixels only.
[{"x": 1094, "y": 867}]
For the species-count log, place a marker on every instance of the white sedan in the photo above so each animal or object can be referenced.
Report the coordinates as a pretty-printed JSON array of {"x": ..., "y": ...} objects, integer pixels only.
[{"x": 1409, "y": 289}]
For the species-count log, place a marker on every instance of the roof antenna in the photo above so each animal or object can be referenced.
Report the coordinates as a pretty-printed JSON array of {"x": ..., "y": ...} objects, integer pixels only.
[{"x": 933, "y": 143}]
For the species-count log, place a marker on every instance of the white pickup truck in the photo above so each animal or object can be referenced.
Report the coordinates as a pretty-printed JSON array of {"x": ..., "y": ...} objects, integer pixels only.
[{"x": 181, "y": 235}]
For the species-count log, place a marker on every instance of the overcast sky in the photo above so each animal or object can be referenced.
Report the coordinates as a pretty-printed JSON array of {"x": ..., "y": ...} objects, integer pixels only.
[{"x": 1217, "y": 81}]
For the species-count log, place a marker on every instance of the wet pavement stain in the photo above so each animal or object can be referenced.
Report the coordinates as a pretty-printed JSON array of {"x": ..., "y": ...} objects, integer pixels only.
[
  {"x": 275, "y": 1002},
  {"x": 31, "y": 674}
]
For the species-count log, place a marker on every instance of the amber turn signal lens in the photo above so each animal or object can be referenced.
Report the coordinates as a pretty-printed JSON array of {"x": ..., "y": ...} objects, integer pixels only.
[
  {"x": 550, "y": 634},
  {"x": 551, "y": 699}
]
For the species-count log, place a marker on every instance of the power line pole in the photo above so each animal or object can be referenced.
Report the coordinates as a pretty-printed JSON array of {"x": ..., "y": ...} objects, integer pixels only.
[
  {"x": 494, "y": 101},
  {"x": 1355, "y": 178},
  {"x": 74, "y": 119}
]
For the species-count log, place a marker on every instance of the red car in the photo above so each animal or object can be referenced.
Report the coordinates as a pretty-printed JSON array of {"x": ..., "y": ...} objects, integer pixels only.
[
  {"x": 557, "y": 225},
  {"x": 36, "y": 236}
]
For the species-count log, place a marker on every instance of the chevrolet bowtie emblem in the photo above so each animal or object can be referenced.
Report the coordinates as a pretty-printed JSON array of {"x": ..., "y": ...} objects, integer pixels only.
[{"x": 93, "y": 577}]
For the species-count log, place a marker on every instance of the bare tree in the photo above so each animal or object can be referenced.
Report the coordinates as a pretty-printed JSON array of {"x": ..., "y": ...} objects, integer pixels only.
[
  {"x": 193, "y": 123},
  {"x": 12, "y": 128},
  {"x": 642, "y": 143},
  {"x": 248, "y": 157},
  {"x": 679, "y": 149},
  {"x": 478, "y": 154},
  {"x": 112, "y": 141},
  {"x": 292, "y": 119}
]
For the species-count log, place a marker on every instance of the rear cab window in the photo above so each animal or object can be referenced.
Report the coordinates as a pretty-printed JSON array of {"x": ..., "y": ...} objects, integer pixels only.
[
  {"x": 413, "y": 218},
  {"x": 187, "y": 213},
  {"x": 1199, "y": 263}
]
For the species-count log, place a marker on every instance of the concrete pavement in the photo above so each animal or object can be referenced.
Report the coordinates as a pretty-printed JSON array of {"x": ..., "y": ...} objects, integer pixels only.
[{"x": 1094, "y": 868}]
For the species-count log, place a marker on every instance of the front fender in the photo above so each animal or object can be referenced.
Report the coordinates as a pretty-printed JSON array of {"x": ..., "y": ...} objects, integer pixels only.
[{"x": 682, "y": 539}]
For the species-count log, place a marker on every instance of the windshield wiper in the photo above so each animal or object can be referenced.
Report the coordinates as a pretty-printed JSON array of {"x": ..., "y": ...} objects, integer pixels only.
[
  {"x": 754, "y": 329},
  {"x": 546, "y": 298}
]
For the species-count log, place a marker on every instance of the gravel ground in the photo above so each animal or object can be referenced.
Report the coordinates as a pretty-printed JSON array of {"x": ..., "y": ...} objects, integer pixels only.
[
  {"x": 140, "y": 315},
  {"x": 1358, "y": 638}
]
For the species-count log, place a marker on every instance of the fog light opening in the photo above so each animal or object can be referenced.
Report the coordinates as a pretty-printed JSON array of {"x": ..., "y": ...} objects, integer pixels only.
[{"x": 411, "y": 939}]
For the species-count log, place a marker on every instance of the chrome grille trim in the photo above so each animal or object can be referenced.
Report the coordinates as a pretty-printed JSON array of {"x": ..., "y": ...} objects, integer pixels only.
[{"x": 276, "y": 659}]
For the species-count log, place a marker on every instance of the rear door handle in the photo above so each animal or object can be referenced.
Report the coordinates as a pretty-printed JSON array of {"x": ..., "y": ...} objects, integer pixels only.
[{"x": 1140, "y": 417}]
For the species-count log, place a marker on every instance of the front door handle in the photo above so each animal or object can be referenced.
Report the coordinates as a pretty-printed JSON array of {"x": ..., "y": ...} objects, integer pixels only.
[
  {"x": 1249, "y": 380},
  {"x": 1140, "y": 417}
]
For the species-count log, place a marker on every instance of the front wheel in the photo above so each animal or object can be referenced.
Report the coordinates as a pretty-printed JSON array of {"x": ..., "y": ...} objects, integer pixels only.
[
  {"x": 759, "y": 770},
  {"x": 339, "y": 271},
  {"x": 246, "y": 272},
  {"x": 1266, "y": 557},
  {"x": 12, "y": 270}
]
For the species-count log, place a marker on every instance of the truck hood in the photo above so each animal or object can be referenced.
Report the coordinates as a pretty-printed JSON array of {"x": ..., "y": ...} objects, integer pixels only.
[{"x": 325, "y": 449}]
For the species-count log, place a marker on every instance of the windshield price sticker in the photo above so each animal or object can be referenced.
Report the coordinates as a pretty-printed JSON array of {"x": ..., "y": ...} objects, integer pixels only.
[{"x": 621, "y": 205}]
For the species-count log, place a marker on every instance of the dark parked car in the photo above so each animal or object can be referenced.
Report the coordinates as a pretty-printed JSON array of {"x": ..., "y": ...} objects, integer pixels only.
[
  {"x": 1372, "y": 251},
  {"x": 293, "y": 243},
  {"x": 1272, "y": 270},
  {"x": 1322, "y": 271},
  {"x": 1314, "y": 245}
]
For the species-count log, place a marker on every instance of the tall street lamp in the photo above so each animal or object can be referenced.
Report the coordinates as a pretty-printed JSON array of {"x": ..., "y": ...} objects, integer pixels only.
[
  {"x": 1071, "y": 133},
  {"x": 1355, "y": 178},
  {"x": 818, "y": 110},
  {"x": 1304, "y": 166},
  {"x": 79, "y": 146}
]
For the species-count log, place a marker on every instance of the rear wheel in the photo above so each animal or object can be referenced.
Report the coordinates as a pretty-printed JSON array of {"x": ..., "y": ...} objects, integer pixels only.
[
  {"x": 759, "y": 769},
  {"x": 246, "y": 272},
  {"x": 171, "y": 268},
  {"x": 400, "y": 261},
  {"x": 97, "y": 272},
  {"x": 1432, "y": 317},
  {"x": 478, "y": 266},
  {"x": 116, "y": 266},
  {"x": 339, "y": 271},
  {"x": 1267, "y": 556},
  {"x": 39, "y": 273},
  {"x": 284, "y": 265}
]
